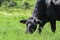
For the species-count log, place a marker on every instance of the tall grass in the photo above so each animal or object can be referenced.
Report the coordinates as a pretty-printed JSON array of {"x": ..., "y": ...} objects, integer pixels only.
[{"x": 12, "y": 29}]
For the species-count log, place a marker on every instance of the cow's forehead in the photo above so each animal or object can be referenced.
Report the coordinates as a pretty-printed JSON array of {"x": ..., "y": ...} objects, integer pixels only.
[{"x": 30, "y": 21}]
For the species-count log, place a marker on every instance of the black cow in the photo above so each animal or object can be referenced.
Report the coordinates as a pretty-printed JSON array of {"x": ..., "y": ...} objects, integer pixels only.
[{"x": 45, "y": 11}]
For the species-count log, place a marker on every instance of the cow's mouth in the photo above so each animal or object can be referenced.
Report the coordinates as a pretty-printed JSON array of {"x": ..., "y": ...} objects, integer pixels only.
[{"x": 30, "y": 31}]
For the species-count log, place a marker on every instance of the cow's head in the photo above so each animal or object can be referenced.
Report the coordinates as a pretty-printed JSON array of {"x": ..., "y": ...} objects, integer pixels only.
[{"x": 31, "y": 24}]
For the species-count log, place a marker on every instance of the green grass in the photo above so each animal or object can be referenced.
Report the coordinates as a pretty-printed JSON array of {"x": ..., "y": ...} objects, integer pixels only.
[{"x": 11, "y": 29}]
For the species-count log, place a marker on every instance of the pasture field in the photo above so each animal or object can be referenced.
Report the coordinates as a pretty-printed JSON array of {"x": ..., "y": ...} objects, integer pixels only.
[{"x": 11, "y": 29}]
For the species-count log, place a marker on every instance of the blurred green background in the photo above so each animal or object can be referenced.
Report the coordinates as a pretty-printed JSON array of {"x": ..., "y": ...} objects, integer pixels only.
[{"x": 11, "y": 12}]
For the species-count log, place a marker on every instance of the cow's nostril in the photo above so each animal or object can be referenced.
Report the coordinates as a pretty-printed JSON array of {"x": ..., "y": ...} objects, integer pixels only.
[{"x": 27, "y": 31}]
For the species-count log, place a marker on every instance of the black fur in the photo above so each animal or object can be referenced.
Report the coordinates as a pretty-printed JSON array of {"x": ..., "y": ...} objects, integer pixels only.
[{"x": 45, "y": 12}]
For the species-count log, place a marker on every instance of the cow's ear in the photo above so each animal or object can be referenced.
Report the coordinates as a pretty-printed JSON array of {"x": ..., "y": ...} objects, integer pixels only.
[
  {"x": 23, "y": 21},
  {"x": 39, "y": 21}
]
